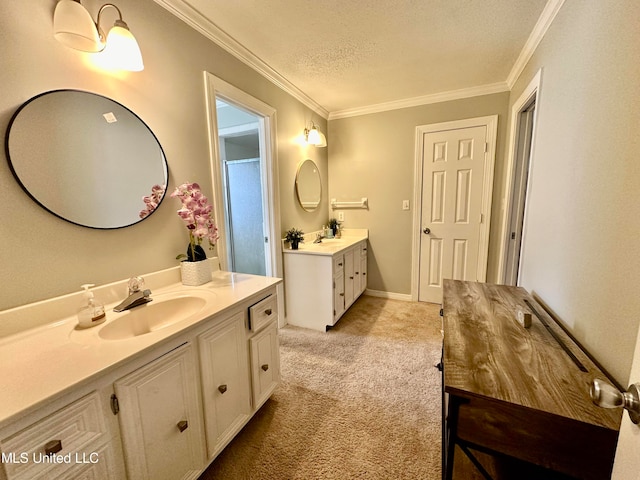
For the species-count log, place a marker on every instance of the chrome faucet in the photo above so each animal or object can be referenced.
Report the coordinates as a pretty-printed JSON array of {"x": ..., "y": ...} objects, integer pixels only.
[
  {"x": 137, "y": 296},
  {"x": 319, "y": 238}
]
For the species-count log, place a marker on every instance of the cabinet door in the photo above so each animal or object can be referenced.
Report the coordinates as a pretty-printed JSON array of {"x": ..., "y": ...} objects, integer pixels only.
[
  {"x": 160, "y": 418},
  {"x": 265, "y": 364},
  {"x": 357, "y": 274},
  {"x": 338, "y": 297},
  {"x": 348, "y": 277},
  {"x": 363, "y": 273},
  {"x": 225, "y": 381}
]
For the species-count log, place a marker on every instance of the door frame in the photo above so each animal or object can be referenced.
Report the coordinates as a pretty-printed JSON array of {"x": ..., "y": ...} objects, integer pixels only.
[
  {"x": 491, "y": 124},
  {"x": 216, "y": 87},
  {"x": 530, "y": 93}
]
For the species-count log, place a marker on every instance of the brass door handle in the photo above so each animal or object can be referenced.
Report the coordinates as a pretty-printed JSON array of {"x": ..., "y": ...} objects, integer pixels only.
[
  {"x": 426, "y": 230},
  {"x": 183, "y": 425},
  {"x": 222, "y": 388}
]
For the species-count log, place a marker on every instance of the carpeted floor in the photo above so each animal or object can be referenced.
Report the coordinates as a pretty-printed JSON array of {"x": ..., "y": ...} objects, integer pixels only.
[{"x": 361, "y": 401}]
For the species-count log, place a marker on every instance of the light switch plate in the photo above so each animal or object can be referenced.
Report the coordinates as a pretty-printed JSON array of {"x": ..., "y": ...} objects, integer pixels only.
[{"x": 405, "y": 204}]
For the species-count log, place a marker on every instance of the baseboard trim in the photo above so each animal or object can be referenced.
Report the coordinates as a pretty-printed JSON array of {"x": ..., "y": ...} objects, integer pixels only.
[{"x": 390, "y": 295}]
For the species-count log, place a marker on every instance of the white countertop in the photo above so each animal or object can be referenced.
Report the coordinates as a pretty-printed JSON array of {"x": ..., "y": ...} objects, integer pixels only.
[
  {"x": 48, "y": 361},
  {"x": 330, "y": 246}
]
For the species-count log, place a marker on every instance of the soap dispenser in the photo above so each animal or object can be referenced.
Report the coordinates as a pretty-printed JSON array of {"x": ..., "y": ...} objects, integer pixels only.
[{"x": 90, "y": 312}]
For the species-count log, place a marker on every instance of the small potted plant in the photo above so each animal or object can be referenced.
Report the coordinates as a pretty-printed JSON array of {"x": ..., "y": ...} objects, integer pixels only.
[
  {"x": 334, "y": 225},
  {"x": 294, "y": 237}
]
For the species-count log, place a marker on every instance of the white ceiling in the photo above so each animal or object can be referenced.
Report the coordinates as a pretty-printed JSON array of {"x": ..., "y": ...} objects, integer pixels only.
[{"x": 347, "y": 56}]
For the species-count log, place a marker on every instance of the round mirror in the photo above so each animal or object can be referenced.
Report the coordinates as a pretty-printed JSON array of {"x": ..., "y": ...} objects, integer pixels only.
[
  {"x": 86, "y": 158},
  {"x": 308, "y": 185}
]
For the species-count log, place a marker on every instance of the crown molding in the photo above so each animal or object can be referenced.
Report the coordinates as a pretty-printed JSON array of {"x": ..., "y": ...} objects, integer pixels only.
[
  {"x": 422, "y": 100},
  {"x": 200, "y": 23},
  {"x": 545, "y": 20}
]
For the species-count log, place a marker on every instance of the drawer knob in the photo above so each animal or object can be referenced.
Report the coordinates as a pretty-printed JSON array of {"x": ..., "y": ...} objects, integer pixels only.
[
  {"x": 340, "y": 264},
  {"x": 265, "y": 367},
  {"x": 183, "y": 425},
  {"x": 268, "y": 311},
  {"x": 222, "y": 388},
  {"x": 342, "y": 294},
  {"x": 54, "y": 446}
]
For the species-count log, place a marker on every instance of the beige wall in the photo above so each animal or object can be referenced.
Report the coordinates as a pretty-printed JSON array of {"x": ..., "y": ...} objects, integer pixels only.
[
  {"x": 43, "y": 256},
  {"x": 373, "y": 156},
  {"x": 581, "y": 249}
]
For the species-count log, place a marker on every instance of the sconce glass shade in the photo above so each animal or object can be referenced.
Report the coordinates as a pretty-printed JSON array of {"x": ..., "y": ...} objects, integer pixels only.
[
  {"x": 122, "y": 48},
  {"x": 315, "y": 137},
  {"x": 74, "y": 27}
]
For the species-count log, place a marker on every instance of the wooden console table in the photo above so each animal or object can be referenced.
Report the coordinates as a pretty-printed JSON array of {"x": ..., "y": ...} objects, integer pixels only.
[{"x": 515, "y": 398}]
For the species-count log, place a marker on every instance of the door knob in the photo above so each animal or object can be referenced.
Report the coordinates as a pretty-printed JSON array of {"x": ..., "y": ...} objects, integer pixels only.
[
  {"x": 426, "y": 230},
  {"x": 607, "y": 396}
]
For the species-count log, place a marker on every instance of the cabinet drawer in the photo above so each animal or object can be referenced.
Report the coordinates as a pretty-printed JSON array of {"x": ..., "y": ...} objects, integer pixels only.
[
  {"x": 262, "y": 313},
  {"x": 71, "y": 433},
  {"x": 338, "y": 264}
]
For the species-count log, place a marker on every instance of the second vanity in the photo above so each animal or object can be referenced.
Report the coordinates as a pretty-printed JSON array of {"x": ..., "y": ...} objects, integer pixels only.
[
  {"x": 120, "y": 401},
  {"x": 322, "y": 280}
]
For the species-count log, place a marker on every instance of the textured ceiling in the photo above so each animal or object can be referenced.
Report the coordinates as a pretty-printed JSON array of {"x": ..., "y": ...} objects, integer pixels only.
[{"x": 347, "y": 54}]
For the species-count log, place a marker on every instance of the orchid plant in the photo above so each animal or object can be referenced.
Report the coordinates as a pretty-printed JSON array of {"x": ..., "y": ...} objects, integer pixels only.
[
  {"x": 152, "y": 201},
  {"x": 196, "y": 213}
]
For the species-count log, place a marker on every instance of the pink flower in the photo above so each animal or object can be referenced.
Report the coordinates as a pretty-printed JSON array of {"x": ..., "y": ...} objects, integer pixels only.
[
  {"x": 196, "y": 213},
  {"x": 151, "y": 201}
]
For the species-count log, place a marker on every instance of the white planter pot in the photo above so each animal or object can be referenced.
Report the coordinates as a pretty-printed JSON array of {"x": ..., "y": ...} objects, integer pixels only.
[{"x": 195, "y": 273}]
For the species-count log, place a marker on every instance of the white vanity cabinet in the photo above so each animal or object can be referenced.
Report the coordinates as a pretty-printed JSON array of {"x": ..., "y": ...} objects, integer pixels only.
[
  {"x": 159, "y": 405},
  {"x": 322, "y": 282},
  {"x": 225, "y": 381},
  {"x": 161, "y": 420}
]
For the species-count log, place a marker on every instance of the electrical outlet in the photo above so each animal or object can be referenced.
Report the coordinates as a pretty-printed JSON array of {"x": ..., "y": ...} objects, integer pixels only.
[
  {"x": 405, "y": 204},
  {"x": 341, "y": 216}
]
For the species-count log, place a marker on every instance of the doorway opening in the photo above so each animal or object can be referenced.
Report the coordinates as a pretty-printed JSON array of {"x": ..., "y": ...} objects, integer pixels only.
[
  {"x": 241, "y": 166},
  {"x": 519, "y": 194},
  {"x": 243, "y": 159},
  {"x": 523, "y": 125}
]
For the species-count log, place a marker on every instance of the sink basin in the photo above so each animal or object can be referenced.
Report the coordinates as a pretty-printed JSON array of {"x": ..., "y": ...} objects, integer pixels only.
[
  {"x": 153, "y": 316},
  {"x": 330, "y": 242}
]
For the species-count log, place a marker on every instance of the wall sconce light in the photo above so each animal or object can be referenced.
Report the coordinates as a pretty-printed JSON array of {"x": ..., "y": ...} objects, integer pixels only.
[
  {"x": 74, "y": 27},
  {"x": 315, "y": 137}
]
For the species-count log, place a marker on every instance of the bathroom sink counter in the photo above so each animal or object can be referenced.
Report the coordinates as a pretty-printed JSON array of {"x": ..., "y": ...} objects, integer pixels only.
[
  {"x": 330, "y": 246},
  {"x": 43, "y": 363}
]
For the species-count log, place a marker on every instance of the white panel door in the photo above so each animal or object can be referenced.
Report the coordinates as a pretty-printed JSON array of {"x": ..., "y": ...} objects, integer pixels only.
[{"x": 452, "y": 190}]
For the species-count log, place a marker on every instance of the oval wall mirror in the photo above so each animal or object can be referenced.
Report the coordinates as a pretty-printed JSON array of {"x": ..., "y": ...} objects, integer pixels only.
[
  {"x": 86, "y": 158},
  {"x": 308, "y": 185}
]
